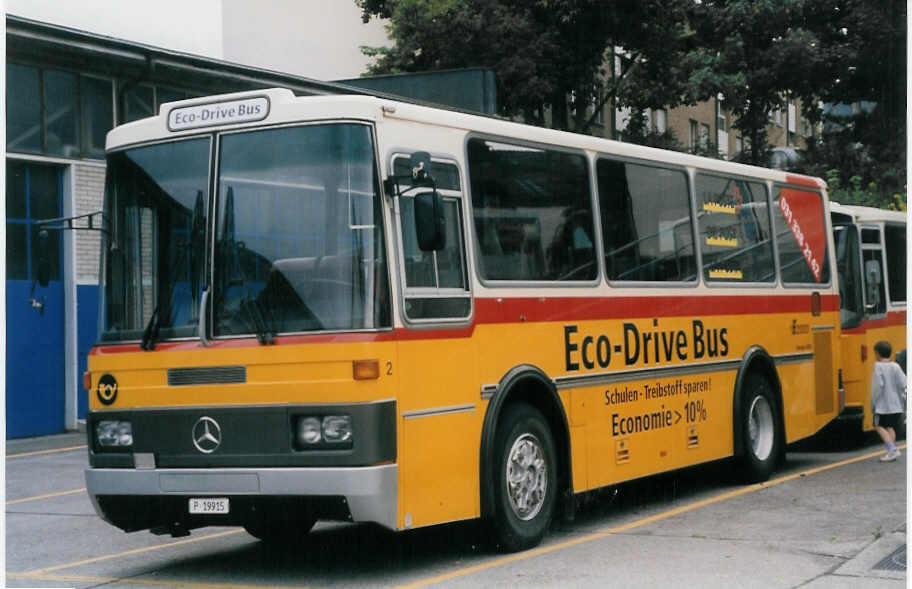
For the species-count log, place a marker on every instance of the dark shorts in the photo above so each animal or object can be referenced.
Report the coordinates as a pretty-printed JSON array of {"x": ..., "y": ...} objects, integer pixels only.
[{"x": 888, "y": 419}]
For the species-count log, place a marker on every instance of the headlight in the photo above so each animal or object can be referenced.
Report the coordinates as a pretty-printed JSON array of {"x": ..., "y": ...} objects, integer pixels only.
[
  {"x": 337, "y": 428},
  {"x": 327, "y": 432},
  {"x": 309, "y": 431},
  {"x": 111, "y": 433}
]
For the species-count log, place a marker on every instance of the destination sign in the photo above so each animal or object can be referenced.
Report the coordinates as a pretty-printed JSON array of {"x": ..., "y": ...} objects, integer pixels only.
[{"x": 218, "y": 113}]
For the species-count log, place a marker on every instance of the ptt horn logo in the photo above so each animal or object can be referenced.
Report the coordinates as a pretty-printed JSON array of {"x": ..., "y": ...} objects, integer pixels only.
[{"x": 107, "y": 389}]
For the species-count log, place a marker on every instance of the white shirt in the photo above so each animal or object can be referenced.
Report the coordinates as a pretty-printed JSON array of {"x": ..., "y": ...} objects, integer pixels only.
[{"x": 888, "y": 388}]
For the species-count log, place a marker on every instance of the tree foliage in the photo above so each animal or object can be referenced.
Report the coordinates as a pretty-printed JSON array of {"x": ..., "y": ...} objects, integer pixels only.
[
  {"x": 548, "y": 55},
  {"x": 553, "y": 62},
  {"x": 864, "y": 147}
]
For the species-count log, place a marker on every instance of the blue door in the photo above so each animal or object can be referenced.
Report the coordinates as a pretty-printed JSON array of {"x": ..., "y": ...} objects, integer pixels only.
[{"x": 35, "y": 381}]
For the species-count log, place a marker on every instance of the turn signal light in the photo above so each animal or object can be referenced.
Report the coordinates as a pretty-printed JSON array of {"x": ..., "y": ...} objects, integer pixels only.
[
  {"x": 87, "y": 380},
  {"x": 366, "y": 369}
]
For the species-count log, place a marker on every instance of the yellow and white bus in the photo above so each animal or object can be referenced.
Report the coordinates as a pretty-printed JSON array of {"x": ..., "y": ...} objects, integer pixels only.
[
  {"x": 871, "y": 267},
  {"x": 357, "y": 309}
]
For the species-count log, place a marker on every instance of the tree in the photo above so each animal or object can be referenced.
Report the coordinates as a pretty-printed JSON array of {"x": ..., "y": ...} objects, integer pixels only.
[
  {"x": 864, "y": 147},
  {"x": 836, "y": 51},
  {"x": 550, "y": 59},
  {"x": 548, "y": 55}
]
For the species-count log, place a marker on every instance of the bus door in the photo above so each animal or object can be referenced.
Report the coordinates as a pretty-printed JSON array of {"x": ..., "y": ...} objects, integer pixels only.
[
  {"x": 436, "y": 370},
  {"x": 852, "y": 314},
  {"x": 875, "y": 307}
]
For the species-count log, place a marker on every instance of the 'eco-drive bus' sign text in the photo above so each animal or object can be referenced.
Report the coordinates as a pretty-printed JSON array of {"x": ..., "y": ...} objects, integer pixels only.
[{"x": 218, "y": 113}]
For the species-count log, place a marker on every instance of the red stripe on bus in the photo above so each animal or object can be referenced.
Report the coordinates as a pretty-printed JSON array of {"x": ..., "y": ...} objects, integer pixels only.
[
  {"x": 583, "y": 309},
  {"x": 535, "y": 310},
  {"x": 892, "y": 319},
  {"x": 800, "y": 180}
]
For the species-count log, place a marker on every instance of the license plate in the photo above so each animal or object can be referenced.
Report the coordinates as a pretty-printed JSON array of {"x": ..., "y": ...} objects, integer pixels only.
[{"x": 207, "y": 505}]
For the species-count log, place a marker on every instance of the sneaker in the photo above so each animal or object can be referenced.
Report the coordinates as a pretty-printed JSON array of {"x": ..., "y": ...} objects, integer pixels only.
[
  {"x": 897, "y": 453},
  {"x": 888, "y": 457}
]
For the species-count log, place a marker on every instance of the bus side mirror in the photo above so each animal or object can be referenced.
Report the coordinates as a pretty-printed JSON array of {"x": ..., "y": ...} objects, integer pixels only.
[
  {"x": 429, "y": 222},
  {"x": 115, "y": 263},
  {"x": 420, "y": 162},
  {"x": 44, "y": 263}
]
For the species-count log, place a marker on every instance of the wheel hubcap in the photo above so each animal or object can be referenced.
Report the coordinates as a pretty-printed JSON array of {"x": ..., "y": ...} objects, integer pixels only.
[
  {"x": 527, "y": 477},
  {"x": 760, "y": 428}
]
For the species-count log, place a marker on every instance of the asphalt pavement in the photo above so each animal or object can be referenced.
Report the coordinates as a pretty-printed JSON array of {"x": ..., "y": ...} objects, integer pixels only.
[{"x": 827, "y": 519}]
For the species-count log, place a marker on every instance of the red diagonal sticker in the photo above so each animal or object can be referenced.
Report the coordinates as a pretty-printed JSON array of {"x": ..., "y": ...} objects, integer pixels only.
[{"x": 803, "y": 212}]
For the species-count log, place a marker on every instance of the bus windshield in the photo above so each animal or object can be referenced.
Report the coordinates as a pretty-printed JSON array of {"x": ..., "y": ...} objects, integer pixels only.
[
  {"x": 299, "y": 232},
  {"x": 298, "y": 236},
  {"x": 155, "y": 204}
]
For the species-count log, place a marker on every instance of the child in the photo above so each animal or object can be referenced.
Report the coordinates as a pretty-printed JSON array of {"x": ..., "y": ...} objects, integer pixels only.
[{"x": 888, "y": 386}]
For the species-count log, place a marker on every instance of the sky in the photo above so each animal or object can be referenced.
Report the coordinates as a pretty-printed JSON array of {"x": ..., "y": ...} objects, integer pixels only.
[{"x": 312, "y": 38}]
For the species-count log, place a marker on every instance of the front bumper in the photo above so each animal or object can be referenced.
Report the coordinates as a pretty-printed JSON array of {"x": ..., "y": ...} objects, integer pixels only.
[{"x": 369, "y": 492}]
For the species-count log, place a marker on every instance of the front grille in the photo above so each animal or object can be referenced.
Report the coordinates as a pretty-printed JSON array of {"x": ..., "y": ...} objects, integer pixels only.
[{"x": 207, "y": 375}]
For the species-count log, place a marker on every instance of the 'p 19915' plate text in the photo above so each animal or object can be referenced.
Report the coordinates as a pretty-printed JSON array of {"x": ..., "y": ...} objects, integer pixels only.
[{"x": 207, "y": 505}]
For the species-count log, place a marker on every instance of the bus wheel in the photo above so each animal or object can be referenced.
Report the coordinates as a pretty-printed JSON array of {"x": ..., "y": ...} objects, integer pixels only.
[
  {"x": 276, "y": 531},
  {"x": 525, "y": 485},
  {"x": 759, "y": 429}
]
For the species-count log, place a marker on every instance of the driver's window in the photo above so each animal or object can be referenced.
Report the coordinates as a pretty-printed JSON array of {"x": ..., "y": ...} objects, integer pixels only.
[
  {"x": 436, "y": 282},
  {"x": 875, "y": 301}
]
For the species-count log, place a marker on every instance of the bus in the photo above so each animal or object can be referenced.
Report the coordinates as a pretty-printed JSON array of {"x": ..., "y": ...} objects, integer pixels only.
[
  {"x": 356, "y": 309},
  {"x": 871, "y": 269}
]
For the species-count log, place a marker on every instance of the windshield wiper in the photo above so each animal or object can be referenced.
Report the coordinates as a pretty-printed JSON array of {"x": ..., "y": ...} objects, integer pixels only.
[
  {"x": 254, "y": 315},
  {"x": 150, "y": 333}
]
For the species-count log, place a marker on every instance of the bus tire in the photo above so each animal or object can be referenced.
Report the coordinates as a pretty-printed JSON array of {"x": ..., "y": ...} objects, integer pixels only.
[
  {"x": 760, "y": 429},
  {"x": 525, "y": 479},
  {"x": 280, "y": 531}
]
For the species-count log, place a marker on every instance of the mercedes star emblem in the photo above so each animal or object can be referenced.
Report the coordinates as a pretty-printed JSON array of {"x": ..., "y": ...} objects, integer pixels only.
[{"x": 207, "y": 435}]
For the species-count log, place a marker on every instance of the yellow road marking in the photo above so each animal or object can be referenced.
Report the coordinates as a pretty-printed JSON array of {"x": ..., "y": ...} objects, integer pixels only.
[
  {"x": 48, "y": 496},
  {"x": 156, "y": 582},
  {"x": 39, "y": 452},
  {"x": 77, "y": 563},
  {"x": 634, "y": 524}
]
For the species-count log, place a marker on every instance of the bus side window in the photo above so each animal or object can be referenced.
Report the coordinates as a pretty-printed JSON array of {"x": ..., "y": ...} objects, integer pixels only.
[
  {"x": 895, "y": 243},
  {"x": 800, "y": 227},
  {"x": 646, "y": 223},
  {"x": 734, "y": 234},
  {"x": 532, "y": 213}
]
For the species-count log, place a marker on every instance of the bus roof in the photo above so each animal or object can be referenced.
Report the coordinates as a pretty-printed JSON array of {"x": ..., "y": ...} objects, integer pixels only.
[
  {"x": 282, "y": 106},
  {"x": 861, "y": 214}
]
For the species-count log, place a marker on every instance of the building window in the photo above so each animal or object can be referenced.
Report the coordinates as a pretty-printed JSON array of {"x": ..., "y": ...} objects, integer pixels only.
[
  {"x": 693, "y": 135},
  {"x": 704, "y": 135},
  {"x": 163, "y": 95},
  {"x": 56, "y": 112},
  {"x": 23, "y": 108},
  {"x": 721, "y": 130},
  {"x": 661, "y": 121},
  {"x": 139, "y": 103},
  {"x": 97, "y": 114},
  {"x": 60, "y": 113}
]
